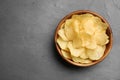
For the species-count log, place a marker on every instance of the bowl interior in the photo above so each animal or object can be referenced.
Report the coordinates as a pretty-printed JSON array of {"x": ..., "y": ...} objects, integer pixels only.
[{"x": 108, "y": 32}]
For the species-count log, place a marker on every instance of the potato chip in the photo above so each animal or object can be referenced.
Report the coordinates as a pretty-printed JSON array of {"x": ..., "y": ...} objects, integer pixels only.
[
  {"x": 66, "y": 54},
  {"x": 69, "y": 32},
  {"x": 87, "y": 40},
  {"x": 80, "y": 60},
  {"x": 77, "y": 17},
  {"x": 99, "y": 25},
  {"x": 85, "y": 17},
  {"x": 75, "y": 52},
  {"x": 62, "y": 26},
  {"x": 89, "y": 26},
  {"x": 62, "y": 34},
  {"x": 77, "y": 42},
  {"x": 76, "y": 26},
  {"x": 97, "y": 53},
  {"x": 84, "y": 55},
  {"x": 97, "y": 20},
  {"x": 101, "y": 38},
  {"x": 62, "y": 44}
]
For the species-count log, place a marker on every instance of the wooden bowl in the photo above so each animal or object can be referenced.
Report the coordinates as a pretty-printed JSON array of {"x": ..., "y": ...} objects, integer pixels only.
[{"x": 108, "y": 46}]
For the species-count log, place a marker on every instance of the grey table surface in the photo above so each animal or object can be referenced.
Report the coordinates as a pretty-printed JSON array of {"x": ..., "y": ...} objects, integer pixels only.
[{"x": 27, "y": 50}]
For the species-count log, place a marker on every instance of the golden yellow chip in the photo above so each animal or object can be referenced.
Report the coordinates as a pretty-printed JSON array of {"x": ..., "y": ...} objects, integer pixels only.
[
  {"x": 62, "y": 44},
  {"x": 87, "y": 40},
  {"x": 96, "y": 53},
  {"x": 69, "y": 32},
  {"x": 77, "y": 17},
  {"x": 76, "y": 26},
  {"x": 62, "y": 34},
  {"x": 84, "y": 55},
  {"x": 80, "y": 60},
  {"x": 100, "y": 26},
  {"x": 77, "y": 42},
  {"x": 85, "y": 17},
  {"x": 89, "y": 26},
  {"x": 75, "y": 52},
  {"x": 62, "y": 26},
  {"x": 101, "y": 38},
  {"x": 66, "y": 54}
]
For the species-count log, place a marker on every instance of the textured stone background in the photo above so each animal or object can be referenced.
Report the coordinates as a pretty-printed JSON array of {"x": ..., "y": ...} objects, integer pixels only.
[{"x": 27, "y": 50}]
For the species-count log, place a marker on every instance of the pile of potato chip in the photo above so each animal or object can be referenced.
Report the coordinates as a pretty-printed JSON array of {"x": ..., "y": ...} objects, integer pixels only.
[{"x": 83, "y": 38}]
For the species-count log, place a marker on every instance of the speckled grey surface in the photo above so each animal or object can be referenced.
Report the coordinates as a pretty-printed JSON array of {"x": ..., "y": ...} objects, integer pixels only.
[{"x": 27, "y": 50}]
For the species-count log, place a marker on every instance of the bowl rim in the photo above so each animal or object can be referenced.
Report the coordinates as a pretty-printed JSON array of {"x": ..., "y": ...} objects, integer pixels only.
[{"x": 107, "y": 51}]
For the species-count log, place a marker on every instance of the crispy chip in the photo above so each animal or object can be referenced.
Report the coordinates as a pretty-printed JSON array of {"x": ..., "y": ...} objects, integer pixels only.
[
  {"x": 62, "y": 34},
  {"x": 62, "y": 44},
  {"x": 77, "y": 17},
  {"x": 96, "y": 53},
  {"x": 99, "y": 25},
  {"x": 76, "y": 26},
  {"x": 87, "y": 40},
  {"x": 101, "y": 38},
  {"x": 84, "y": 55},
  {"x": 69, "y": 32},
  {"x": 77, "y": 42},
  {"x": 78, "y": 59},
  {"x": 66, "y": 54},
  {"x": 62, "y": 26},
  {"x": 89, "y": 26},
  {"x": 75, "y": 52}
]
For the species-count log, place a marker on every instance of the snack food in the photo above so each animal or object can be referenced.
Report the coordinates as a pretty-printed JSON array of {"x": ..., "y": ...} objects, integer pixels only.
[{"x": 83, "y": 38}]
